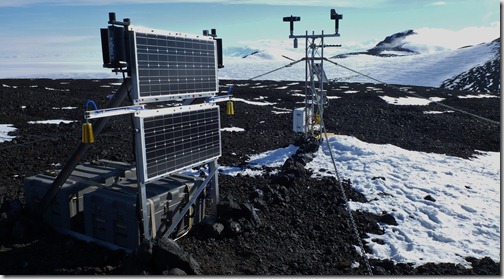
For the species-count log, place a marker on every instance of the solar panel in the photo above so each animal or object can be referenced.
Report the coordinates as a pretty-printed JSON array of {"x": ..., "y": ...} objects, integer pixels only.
[
  {"x": 172, "y": 139},
  {"x": 168, "y": 65}
]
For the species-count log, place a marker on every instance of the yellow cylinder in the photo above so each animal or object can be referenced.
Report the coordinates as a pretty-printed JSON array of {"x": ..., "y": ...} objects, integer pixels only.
[
  {"x": 230, "y": 108},
  {"x": 87, "y": 133}
]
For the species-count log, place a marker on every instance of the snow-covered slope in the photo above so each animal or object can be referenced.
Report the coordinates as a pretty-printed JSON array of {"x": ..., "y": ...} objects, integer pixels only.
[
  {"x": 483, "y": 78},
  {"x": 265, "y": 50},
  {"x": 424, "y": 66},
  {"x": 447, "y": 207}
]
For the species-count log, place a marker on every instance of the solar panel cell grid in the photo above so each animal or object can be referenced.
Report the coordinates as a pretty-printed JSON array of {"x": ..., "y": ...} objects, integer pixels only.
[
  {"x": 174, "y": 141},
  {"x": 171, "y": 65}
]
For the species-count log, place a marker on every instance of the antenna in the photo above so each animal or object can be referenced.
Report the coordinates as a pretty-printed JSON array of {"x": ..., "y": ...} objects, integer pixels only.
[
  {"x": 336, "y": 17},
  {"x": 213, "y": 34},
  {"x": 291, "y": 19},
  {"x": 113, "y": 21}
]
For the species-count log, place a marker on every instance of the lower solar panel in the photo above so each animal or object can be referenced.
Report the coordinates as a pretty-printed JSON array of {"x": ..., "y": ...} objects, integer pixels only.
[{"x": 173, "y": 139}]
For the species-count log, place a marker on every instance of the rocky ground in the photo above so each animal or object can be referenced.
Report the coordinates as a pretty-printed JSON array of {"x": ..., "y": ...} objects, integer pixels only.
[{"x": 300, "y": 225}]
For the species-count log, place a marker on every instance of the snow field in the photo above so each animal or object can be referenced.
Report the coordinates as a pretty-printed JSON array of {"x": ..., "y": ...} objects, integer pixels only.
[{"x": 463, "y": 221}]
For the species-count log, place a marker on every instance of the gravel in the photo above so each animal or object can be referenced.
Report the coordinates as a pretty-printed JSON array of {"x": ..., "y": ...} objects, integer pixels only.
[{"x": 298, "y": 227}]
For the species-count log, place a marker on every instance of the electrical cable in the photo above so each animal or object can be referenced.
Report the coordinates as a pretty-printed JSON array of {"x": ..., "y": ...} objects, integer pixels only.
[{"x": 92, "y": 103}]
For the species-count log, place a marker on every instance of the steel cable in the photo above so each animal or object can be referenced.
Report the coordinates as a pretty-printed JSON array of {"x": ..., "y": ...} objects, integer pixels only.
[
  {"x": 347, "y": 205},
  {"x": 416, "y": 95}
]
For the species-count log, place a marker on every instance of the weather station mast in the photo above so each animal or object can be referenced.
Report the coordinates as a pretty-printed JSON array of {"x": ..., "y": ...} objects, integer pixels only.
[{"x": 308, "y": 120}]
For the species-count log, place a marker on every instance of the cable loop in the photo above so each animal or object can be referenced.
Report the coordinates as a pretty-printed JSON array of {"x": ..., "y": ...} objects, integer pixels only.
[{"x": 92, "y": 103}]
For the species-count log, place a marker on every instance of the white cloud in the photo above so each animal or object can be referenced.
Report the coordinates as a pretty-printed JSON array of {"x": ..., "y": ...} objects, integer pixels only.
[
  {"x": 439, "y": 3},
  {"x": 449, "y": 39}
]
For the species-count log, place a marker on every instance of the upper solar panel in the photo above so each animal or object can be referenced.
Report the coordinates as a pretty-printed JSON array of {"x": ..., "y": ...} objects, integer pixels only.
[{"x": 168, "y": 65}]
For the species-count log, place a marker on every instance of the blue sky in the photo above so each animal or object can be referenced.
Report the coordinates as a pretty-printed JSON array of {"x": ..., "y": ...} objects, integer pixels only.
[{"x": 65, "y": 33}]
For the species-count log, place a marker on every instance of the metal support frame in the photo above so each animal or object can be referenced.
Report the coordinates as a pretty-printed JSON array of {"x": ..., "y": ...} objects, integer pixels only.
[
  {"x": 142, "y": 198},
  {"x": 314, "y": 94},
  {"x": 210, "y": 179},
  {"x": 81, "y": 150},
  {"x": 92, "y": 114},
  {"x": 102, "y": 117},
  {"x": 214, "y": 193}
]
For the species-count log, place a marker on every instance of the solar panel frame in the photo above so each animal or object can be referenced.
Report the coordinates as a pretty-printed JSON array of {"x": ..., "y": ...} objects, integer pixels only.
[
  {"x": 168, "y": 65},
  {"x": 176, "y": 138}
]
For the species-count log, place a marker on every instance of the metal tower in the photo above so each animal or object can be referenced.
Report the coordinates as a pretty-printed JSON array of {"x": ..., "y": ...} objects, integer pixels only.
[{"x": 315, "y": 95}]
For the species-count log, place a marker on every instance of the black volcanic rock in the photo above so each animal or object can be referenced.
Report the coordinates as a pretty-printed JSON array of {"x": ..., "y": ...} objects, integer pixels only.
[
  {"x": 393, "y": 42},
  {"x": 304, "y": 227},
  {"x": 429, "y": 198},
  {"x": 388, "y": 219},
  {"x": 482, "y": 78}
]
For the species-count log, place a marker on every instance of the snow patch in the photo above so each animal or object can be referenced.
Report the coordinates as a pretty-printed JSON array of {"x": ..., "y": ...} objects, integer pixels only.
[
  {"x": 232, "y": 129},
  {"x": 281, "y": 110},
  {"x": 410, "y": 101},
  {"x": 253, "y": 103},
  {"x": 463, "y": 221},
  {"x": 273, "y": 158},
  {"x": 298, "y": 95},
  {"x": 64, "y": 108},
  {"x": 52, "y": 122},
  {"x": 479, "y": 96},
  {"x": 5, "y": 129},
  {"x": 437, "y": 112},
  {"x": 54, "y": 89}
]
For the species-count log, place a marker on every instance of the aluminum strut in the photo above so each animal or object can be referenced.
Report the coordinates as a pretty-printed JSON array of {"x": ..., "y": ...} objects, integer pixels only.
[{"x": 81, "y": 151}]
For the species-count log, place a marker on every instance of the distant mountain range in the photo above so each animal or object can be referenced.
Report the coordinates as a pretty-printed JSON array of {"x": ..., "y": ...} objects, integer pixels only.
[
  {"x": 473, "y": 68},
  {"x": 393, "y": 45}
]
